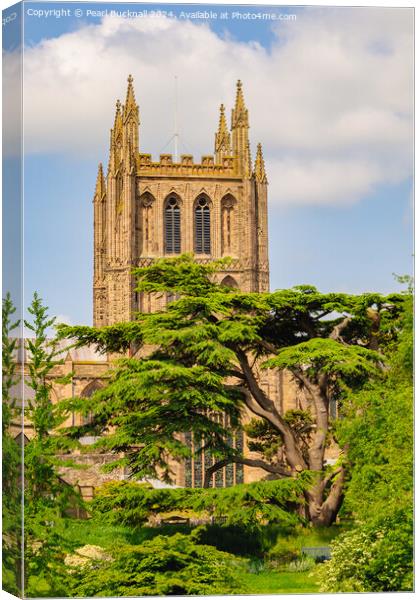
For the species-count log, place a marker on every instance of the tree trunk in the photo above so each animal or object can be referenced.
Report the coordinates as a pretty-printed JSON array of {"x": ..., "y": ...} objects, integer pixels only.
[{"x": 323, "y": 513}]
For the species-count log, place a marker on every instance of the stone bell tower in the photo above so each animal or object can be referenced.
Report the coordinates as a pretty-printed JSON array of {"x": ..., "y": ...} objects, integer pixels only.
[{"x": 144, "y": 210}]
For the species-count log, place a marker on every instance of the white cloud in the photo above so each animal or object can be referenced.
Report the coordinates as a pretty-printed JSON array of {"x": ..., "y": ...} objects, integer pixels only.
[{"x": 331, "y": 101}]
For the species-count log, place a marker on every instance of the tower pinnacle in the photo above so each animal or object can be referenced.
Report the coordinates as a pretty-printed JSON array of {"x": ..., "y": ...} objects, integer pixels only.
[
  {"x": 130, "y": 99},
  {"x": 100, "y": 183},
  {"x": 240, "y": 126},
  {"x": 118, "y": 119},
  {"x": 222, "y": 145},
  {"x": 240, "y": 112},
  {"x": 259, "y": 168}
]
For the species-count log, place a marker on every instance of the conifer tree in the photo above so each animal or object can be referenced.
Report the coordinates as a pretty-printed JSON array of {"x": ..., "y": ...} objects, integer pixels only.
[
  {"x": 11, "y": 452},
  {"x": 204, "y": 354},
  {"x": 45, "y": 495}
]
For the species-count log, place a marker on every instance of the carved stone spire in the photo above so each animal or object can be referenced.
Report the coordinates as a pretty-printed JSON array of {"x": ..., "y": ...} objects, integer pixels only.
[
  {"x": 100, "y": 184},
  {"x": 240, "y": 126},
  {"x": 259, "y": 167},
  {"x": 115, "y": 144},
  {"x": 222, "y": 145},
  {"x": 130, "y": 99},
  {"x": 240, "y": 112},
  {"x": 117, "y": 120},
  {"x": 111, "y": 161},
  {"x": 131, "y": 119}
]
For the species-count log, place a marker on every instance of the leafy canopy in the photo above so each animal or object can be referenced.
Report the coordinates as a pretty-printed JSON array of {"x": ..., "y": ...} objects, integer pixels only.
[
  {"x": 377, "y": 555},
  {"x": 200, "y": 356}
]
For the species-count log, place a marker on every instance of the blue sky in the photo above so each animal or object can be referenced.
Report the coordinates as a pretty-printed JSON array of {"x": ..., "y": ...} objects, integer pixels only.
[{"x": 329, "y": 96}]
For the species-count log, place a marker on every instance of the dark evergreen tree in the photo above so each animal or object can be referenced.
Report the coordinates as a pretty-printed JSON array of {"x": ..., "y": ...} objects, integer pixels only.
[
  {"x": 46, "y": 497},
  {"x": 203, "y": 356},
  {"x": 11, "y": 453}
]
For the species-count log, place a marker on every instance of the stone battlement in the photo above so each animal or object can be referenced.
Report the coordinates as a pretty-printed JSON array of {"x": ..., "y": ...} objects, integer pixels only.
[{"x": 186, "y": 167}]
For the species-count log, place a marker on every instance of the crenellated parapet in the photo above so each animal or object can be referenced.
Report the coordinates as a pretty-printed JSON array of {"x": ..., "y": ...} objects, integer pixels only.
[{"x": 186, "y": 167}]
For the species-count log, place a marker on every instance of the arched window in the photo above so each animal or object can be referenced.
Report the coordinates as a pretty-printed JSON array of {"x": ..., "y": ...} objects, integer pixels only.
[
  {"x": 230, "y": 282},
  {"x": 172, "y": 226},
  {"x": 202, "y": 226},
  {"x": 88, "y": 391}
]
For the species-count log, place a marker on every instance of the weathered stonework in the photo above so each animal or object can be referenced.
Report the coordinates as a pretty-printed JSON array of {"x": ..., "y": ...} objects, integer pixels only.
[{"x": 129, "y": 206}]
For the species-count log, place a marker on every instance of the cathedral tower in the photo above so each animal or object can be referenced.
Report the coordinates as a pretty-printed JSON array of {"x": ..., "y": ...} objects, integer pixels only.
[{"x": 144, "y": 210}]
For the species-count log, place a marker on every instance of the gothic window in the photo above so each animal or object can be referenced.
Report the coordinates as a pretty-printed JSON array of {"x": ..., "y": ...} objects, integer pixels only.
[
  {"x": 201, "y": 459},
  {"x": 172, "y": 226},
  {"x": 202, "y": 226},
  {"x": 88, "y": 391},
  {"x": 228, "y": 229}
]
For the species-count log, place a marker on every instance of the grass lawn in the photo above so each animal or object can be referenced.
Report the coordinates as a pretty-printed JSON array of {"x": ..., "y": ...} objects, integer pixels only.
[{"x": 279, "y": 583}]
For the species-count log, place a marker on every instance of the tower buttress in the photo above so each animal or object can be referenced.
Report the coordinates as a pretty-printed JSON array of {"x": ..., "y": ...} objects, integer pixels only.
[
  {"x": 240, "y": 126},
  {"x": 121, "y": 213},
  {"x": 99, "y": 250},
  {"x": 260, "y": 182}
]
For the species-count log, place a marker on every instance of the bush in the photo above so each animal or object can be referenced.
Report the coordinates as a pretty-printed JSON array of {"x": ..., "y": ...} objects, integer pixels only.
[
  {"x": 371, "y": 558},
  {"x": 163, "y": 566}
]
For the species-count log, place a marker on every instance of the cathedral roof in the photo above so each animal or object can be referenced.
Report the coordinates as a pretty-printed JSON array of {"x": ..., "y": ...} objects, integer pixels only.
[{"x": 83, "y": 354}]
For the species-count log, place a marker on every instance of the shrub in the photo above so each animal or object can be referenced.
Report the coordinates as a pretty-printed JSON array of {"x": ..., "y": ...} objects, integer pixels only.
[
  {"x": 374, "y": 557},
  {"x": 163, "y": 566}
]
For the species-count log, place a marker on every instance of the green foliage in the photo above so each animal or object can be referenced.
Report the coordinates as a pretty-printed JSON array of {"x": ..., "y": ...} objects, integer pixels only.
[
  {"x": 378, "y": 429},
  {"x": 263, "y": 438},
  {"x": 144, "y": 393},
  {"x": 163, "y": 566},
  {"x": 283, "y": 552},
  {"x": 201, "y": 356},
  {"x": 46, "y": 498},
  {"x": 42, "y": 485},
  {"x": 255, "y": 575},
  {"x": 248, "y": 505},
  {"x": 255, "y": 504},
  {"x": 279, "y": 582},
  {"x": 350, "y": 364},
  {"x": 11, "y": 455},
  {"x": 301, "y": 565},
  {"x": 236, "y": 539},
  {"x": 374, "y": 557},
  {"x": 128, "y": 503},
  {"x": 286, "y": 552}
]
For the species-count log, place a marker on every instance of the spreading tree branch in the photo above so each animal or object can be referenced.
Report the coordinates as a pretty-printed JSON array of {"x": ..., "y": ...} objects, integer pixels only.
[
  {"x": 338, "y": 329},
  {"x": 250, "y": 462}
]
